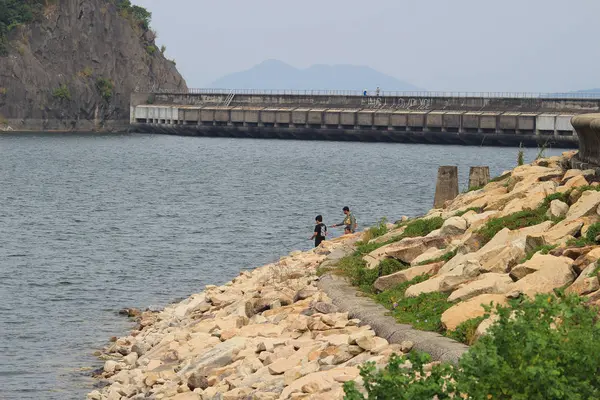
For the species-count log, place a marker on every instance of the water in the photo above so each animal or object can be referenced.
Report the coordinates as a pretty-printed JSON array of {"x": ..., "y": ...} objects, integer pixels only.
[{"x": 90, "y": 224}]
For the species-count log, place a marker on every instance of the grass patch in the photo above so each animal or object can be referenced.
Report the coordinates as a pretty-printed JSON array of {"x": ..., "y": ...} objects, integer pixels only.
[
  {"x": 422, "y": 312},
  {"x": 465, "y": 332},
  {"x": 422, "y": 227},
  {"x": 376, "y": 231},
  {"x": 62, "y": 92},
  {"x": 444, "y": 257},
  {"x": 354, "y": 267},
  {"x": 589, "y": 238},
  {"x": 544, "y": 249},
  {"x": 476, "y": 209}
]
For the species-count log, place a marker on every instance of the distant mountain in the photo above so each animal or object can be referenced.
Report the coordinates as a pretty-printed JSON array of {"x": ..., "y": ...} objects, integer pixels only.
[
  {"x": 588, "y": 91},
  {"x": 274, "y": 74}
]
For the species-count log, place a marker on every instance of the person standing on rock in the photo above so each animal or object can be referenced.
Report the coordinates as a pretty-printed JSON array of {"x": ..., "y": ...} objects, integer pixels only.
[
  {"x": 349, "y": 222},
  {"x": 320, "y": 231}
]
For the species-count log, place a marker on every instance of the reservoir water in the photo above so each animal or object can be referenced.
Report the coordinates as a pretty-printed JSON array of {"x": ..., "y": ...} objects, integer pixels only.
[{"x": 90, "y": 224}]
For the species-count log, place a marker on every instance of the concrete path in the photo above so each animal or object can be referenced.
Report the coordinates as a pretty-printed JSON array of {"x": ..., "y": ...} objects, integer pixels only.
[{"x": 347, "y": 299}]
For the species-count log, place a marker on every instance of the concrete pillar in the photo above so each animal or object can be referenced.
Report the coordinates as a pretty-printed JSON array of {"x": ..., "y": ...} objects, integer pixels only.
[
  {"x": 588, "y": 130},
  {"x": 446, "y": 187},
  {"x": 479, "y": 177}
]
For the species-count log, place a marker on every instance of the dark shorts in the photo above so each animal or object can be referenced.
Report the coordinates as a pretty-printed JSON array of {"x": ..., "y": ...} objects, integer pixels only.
[
  {"x": 348, "y": 228},
  {"x": 318, "y": 241}
]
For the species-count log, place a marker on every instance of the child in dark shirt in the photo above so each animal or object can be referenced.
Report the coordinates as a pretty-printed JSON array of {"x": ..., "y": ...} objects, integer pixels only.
[{"x": 320, "y": 231}]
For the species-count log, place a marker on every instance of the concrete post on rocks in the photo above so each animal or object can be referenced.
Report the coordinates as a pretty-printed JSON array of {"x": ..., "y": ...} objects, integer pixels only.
[
  {"x": 587, "y": 127},
  {"x": 446, "y": 187},
  {"x": 479, "y": 177}
]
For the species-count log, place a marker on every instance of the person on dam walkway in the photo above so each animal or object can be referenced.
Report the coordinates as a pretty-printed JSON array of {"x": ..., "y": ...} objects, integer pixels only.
[
  {"x": 320, "y": 231},
  {"x": 349, "y": 222}
]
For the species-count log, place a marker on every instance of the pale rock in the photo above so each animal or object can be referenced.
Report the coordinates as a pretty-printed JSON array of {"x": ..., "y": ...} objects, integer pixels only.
[
  {"x": 238, "y": 393},
  {"x": 187, "y": 396},
  {"x": 389, "y": 281},
  {"x": 373, "y": 344},
  {"x": 567, "y": 227},
  {"x": 490, "y": 283},
  {"x": 406, "y": 250},
  {"x": 485, "y": 325},
  {"x": 556, "y": 274},
  {"x": 406, "y": 346},
  {"x": 434, "y": 233},
  {"x": 558, "y": 209},
  {"x": 586, "y": 283},
  {"x": 465, "y": 272},
  {"x": 538, "y": 262},
  {"x": 110, "y": 366},
  {"x": 576, "y": 172},
  {"x": 506, "y": 259},
  {"x": 472, "y": 308},
  {"x": 430, "y": 254},
  {"x": 94, "y": 395},
  {"x": 325, "y": 380},
  {"x": 586, "y": 205},
  {"x": 220, "y": 355},
  {"x": 362, "y": 333},
  {"x": 574, "y": 182},
  {"x": 584, "y": 260},
  {"x": 299, "y": 371},
  {"x": 475, "y": 220},
  {"x": 131, "y": 359}
]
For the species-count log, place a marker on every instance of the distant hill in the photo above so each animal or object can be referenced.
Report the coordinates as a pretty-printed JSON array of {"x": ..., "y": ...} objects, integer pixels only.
[
  {"x": 274, "y": 74},
  {"x": 588, "y": 91}
]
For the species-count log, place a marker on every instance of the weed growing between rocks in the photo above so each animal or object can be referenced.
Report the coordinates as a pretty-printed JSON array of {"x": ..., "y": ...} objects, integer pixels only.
[
  {"x": 422, "y": 312},
  {"x": 465, "y": 332},
  {"x": 476, "y": 209},
  {"x": 375, "y": 231},
  {"x": 541, "y": 349},
  {"x": 444, "y": 257},
  {"x": 543, "y": 249}
]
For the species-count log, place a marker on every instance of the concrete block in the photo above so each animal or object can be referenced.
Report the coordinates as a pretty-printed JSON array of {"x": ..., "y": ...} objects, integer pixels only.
[
  {"x": 382, "y": 118},
  {"x": 435, "y": 119},
  {"x": 283, "y": 116},
  {"x": 452, "y": 119},
  {"x": 251, "y": 116},
  {"x": 399, "y": 119},
  {"x": 267, "y": 116},
  {"x": 364, "y": 118},
  {"x": 332, "y": 117},
  {"x": 563, "y": 123},
  {"x": 470, "y": 120},
  {"x": 140, "y": 112},
  {"x": 348, "y": 117},
  {"x": 315, "y": 116},
  {"x": 446, "y": 187},
  {"x": 222, "y": 114},
  {"x": 526, "y": 122},
  {"x": 237, "y": 115},
  {"x": 489, "y": 120},
  {"x": 479, "y": 177},
  {"x": 508, "y": 121},
  {"x": 300, "y": 116},
  {"x": 192, "y": 115},
  {"x": 416, "y": 119},
  {"x": 207, "y": 115},
  {"x": 545, "y": 122}
]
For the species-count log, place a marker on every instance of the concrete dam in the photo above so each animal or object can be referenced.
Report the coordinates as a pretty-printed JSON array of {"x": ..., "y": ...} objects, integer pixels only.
[{"x": 492, "y": 119}]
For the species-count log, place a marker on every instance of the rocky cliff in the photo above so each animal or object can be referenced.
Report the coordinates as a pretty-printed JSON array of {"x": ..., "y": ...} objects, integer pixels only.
[{"x": 74, "y": 66}]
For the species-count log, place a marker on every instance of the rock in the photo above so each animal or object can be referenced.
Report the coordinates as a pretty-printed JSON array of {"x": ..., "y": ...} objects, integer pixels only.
[
  {"x": 365, "y": 331},
  {"x": 556, "y": 274},
  {"x": 389, "y": 281},
  {"x": 469, "y": 309},
  {"x": 506, "y": 259},
  {"x": 405, "y": 250},
  {"x": 305, "y": 293},
  {"x": 557, "y": 234},
  {"x": 94, "y": 395},
  {"x": 111, "y": 366},
  {"x": 485, "y": 325},
  {"x": 324, "y": 379},
  {"x": 453, "y": 226},
  {"x": 197, "y": 380},
  {"x": 220, "y": 355},
  {"x": 586, "y": 283},
  {"x": 583, "y": 257},
  {"x": 574, "y": 182},
  {"x": 537, "y": 262},
  {"x": 373, "y": 344},
  {"x": 490, "y": 283},
  {"x": 140, "y": 348},
  {"x": 406, "y": 346},
  {"x": 131, "y": 359},
  {"x": 558, "y": 209},
  {"x": 576, "y": 172},
  {"x": 237, "y": 393},
  {"x": 586, "y": 205},
  {"x": 325, "y": 308}
]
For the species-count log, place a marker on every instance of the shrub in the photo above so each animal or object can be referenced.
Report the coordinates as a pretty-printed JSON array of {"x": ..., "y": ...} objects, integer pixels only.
[
  {"x": 163, "y": 48},
  {"x": 3, "y": 91},
  {"x": 354, "y": 267},
  {"x": 422, "y": 227},
  {"x": 465, "y": 332},
  {"x": 521, "y": 155},
  {"x": 105, "y": 88},
  {"x": 541, "y": 349},
  {"x": 375, "y": 231},
  {"x": 86, "y": 72},
  {"x": 593, "y": 232},
  {"x": 137, "y": 16},
  {"x": 62, "y": 92},
  {"x": 14, "y": 13},
  {"x": 151, "y": 49},
  {"x": 543, "y": 249},
  {"x": 514, "y": 221}
]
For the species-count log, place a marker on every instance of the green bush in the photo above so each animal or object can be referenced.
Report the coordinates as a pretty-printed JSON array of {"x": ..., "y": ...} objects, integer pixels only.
[
  {"x": 354, "y": 267},
  {"x": 375, "y": 231},
  {"x": 465, "y": 332},
  {"x": 138, "y": 16},
  {"x": 14, "y": 13},
  {"x": 105, "y": 88},
  {"x": 62, "y": 92},
  {"x": 151, "y": 49},
  {"x": 592, "y": 232},
  {"x": 422, "y": 227},
  {"x": 541, "y": 349},
  {"x": 514, "y": 221}
]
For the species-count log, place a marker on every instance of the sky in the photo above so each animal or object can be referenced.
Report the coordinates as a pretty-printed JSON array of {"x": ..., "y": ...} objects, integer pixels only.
[{"x": 439, "y": 45}]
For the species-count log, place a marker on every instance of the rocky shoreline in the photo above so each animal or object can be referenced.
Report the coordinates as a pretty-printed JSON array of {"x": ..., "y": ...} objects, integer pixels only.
[{"x": 274, "y": 333}]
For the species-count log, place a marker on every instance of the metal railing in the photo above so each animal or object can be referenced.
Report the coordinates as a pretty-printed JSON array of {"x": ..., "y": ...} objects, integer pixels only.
[{"x": 373, "y": 93}]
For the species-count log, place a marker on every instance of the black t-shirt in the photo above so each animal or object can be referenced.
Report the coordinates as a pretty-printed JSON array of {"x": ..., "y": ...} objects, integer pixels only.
[{"x": 321, "y": 230}]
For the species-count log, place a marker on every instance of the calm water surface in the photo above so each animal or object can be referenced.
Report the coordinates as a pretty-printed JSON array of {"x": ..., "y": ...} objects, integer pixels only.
[{"x": 92, "y": 224}]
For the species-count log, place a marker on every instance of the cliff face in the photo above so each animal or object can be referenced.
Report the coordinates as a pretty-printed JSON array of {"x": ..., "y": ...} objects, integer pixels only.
[{"x": 76, "y": 67}]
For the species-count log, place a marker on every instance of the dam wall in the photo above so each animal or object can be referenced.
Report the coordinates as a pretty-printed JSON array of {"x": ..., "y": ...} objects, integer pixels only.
[{"x": 458, "y": 120}]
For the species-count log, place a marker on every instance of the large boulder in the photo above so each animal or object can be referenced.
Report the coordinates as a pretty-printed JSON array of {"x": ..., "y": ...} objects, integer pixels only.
[
  {"x": 557, "y": 209},
  {"x": 586, "y": 205},
  {"x": 506, "y": 258},
  {"x": 576, "y": 172},
  {"x": 389, "y": 281},
  {"x": 454, "y": 226},
  {"x": 484, "y": 284},
  {"x": 475, "y": 220},
  {"x": 562, "y": 230},
  {"x": 572, "y": 183},
  {"x": 582, "y": 261},
  {"x": 587, "y": 282},
  {"x": 538, "y": 262},
  {"x": 463, "y": 272},
  {"x": 405, "y": 250},
  {"x": 556, "y": 274},
  {"x": 472, "y": 308}
]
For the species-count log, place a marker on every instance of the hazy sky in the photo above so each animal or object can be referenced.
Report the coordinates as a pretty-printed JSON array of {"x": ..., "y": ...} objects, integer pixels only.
[{"x": 466, "y": 45}]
